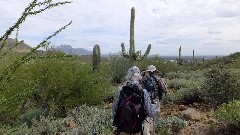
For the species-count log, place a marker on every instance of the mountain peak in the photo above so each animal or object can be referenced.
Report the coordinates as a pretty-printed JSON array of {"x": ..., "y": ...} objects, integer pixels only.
[{"x": 68, "y": 49}]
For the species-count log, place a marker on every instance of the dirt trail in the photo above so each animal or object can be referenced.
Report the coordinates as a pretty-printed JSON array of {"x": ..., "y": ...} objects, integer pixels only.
[{"x": 199, "y": 126}]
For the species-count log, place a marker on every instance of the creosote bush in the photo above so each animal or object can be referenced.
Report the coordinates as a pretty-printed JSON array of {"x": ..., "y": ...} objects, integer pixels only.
[
  {"x": 189, "y": 89},
  {"x": 56, "y": 85},
  {"x": 221, "y": 86},
  {"x": 84, "y": 120},
  {"x": 170, "y": 126},
  {"x": 118, "y": 68},
  {"x": 229, "y": 113}
]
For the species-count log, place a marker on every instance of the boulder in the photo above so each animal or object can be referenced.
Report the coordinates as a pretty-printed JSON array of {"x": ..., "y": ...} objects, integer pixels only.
[
  {"x": 195, "y": 105},
  {"x": 191, "y": 114},
  {"x": 182, "y": 107}
]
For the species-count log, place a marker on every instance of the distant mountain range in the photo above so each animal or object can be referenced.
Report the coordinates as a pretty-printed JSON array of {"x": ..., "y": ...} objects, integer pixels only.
[
  {"x": 68, "y": 49},
  {"x": 21, "y": 47}
]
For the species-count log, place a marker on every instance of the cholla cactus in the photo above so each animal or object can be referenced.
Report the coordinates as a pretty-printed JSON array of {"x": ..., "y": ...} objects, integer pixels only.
[
  {"x": 96, "y": 57},
  {"x": 132, "y": 55}
]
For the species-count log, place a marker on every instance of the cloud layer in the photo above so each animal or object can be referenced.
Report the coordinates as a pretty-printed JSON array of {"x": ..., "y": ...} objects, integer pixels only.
[{"x": 210, "y": 27}]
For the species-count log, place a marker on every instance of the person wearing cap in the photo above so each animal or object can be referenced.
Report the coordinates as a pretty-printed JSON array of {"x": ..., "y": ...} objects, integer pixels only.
[
  {"x": 132, "y": 80},
  {"x": 151, "y": 85}
]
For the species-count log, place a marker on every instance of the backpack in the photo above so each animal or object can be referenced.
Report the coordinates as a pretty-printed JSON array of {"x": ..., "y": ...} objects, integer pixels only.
[
  {"x": 162, "y": 86},
  {"x": 130, "y": 113}
]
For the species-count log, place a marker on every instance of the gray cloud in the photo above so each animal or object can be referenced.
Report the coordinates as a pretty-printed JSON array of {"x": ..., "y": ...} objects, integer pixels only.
[
  {"x": 229, "y": 13},
  {"x": 211, "y": 43},
  {"x": 165, "y": 24}
]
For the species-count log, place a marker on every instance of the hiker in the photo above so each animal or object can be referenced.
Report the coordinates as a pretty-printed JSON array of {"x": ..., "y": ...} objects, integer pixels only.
[
  {"x": 155, "y": 87},
  {"x": 132, "y": 105}
]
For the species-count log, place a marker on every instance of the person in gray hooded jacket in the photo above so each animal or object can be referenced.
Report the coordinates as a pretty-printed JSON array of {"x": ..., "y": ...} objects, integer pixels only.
[{"x": 133, "y": 77}]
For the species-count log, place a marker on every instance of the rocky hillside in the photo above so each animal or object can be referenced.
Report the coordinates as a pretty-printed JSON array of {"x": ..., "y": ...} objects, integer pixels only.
[{"x": 21, "y": 47}]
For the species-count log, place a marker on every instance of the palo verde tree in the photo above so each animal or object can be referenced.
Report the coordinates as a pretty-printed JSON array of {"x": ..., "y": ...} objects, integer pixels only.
[
  {"x": 132, "y": 55},
  {"x": 6, "y": 73}
]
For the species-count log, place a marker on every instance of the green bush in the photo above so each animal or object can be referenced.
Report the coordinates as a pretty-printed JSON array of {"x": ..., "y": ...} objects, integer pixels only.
[
  {"x": 185, "y": 95},
  {"x": 178, "y": 83},
  {"x": 189, "y": 91},
  {"x": 183, "y": 75},
  {"x": 31, "y": 114},
  {"x": 221, "y": 86},
  {"x": 93, "y": 120},
  {"x": 46, "y": 126},
  {"x": 87, "y": 120},
  {"x": 55, "y": 85},
  {"x": 173, "y": 75},
  {"x": 118, "y": 68},
  {"x": 170, "y": 126},
  {"x": 229, "y": 113}
]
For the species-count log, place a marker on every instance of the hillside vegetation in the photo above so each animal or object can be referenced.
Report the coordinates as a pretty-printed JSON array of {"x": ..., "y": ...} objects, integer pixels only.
[{"x": 50, "y": 92}]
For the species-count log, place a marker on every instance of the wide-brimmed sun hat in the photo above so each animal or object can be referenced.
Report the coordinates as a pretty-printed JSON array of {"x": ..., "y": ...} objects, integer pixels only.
[
  {"x": 133, "y": 74},
  {"x": 151, "y": 68}
]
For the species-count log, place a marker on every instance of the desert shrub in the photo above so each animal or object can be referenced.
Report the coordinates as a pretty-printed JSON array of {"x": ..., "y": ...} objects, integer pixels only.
[
  {"x": 45, "y": 125},
  {"x": 93, "y": 120},
  {"x": 185, "y": 96},
  {"x": 85, "y": 120},
  {"x": 55, "y": 85},
  {"x": 118, "y": 68},
  {"x": 173, "y": 75},
  {"x": 178, "y": 83},
  {"x": 184, "y": 75},
  {"x": 221, "y": 86},
  {"x": 31, "y": 114},
  {"x": 170, "y": 126},
  {"x": 189, "y": 91},
  {"x": 229, "y": 113}
]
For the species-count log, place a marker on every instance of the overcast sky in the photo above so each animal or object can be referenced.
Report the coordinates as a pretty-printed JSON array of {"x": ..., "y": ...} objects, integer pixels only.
[{"x": 210, "y": 27}]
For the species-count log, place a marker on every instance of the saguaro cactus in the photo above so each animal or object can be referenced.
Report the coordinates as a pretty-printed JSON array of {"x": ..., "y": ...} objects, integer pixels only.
[
  {"x": 132, "y": 55},
  {"x": 96, "y": 57},
  {"x": 180, "y": 55},
  {"x": 193, "y": 58}
]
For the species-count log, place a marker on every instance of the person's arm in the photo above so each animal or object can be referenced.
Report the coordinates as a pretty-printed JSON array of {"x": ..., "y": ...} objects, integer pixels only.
[
  {"x": 149, "y": 108},
  {"x": 116, "y": 102}
]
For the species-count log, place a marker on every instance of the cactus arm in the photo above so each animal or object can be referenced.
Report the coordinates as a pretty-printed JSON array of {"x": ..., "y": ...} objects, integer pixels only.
[
  {"x": 146, "y": 53},
  {"x": 124, "y": 54}
]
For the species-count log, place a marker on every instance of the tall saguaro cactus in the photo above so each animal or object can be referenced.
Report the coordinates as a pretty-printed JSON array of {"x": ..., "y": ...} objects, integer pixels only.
[
  {"x": 193, "y": 58},
  {"x": 96, "y": 57},
  {"x": 132, "y": 55},
  {"x": 180, "y": 55}
]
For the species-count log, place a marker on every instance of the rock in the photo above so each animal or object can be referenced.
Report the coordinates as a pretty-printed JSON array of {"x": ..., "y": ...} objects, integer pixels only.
[
  {"x": 195, "y": 104},
  {"x": 212, "y": 120},
  {"x": 182, "y": 107},
  {"x": 169, "y": 113},
  {"x": 191, "y": 114},
  {"x": 108, "y": 106},
  {"x": 71, "y": 124}
]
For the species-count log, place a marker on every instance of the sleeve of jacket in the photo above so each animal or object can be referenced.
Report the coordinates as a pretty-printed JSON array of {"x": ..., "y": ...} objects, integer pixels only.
[
  {"x": 116, "y": 102},
  {"x": 148, "y": 106}
]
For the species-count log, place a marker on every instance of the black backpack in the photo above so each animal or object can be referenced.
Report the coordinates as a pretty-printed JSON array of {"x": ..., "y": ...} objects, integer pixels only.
[{"x": 130, "y": 113}]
